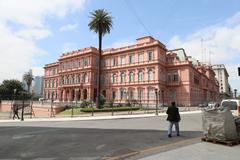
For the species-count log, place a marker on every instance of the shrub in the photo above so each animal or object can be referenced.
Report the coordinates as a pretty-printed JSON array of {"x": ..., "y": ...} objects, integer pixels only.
[
  {"x": 85, "y": 104},
  {"x": 102, "y": 101}
]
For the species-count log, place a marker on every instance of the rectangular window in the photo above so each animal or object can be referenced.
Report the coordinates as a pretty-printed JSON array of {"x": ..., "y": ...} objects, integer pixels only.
[
  {"x": 150, "y": 55},
  {"x": 114, "y": 62},
  {"x": 140, "y": 57},
  {"x": 123, "y": 59},
  {"x": 131, "y": 59},
  {"x": 85, "y": 61},
  {"x": 175, "y": 77}
]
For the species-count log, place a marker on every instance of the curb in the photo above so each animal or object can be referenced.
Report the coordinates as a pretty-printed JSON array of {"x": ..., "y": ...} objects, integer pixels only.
[{"x": 94, "y": 117}]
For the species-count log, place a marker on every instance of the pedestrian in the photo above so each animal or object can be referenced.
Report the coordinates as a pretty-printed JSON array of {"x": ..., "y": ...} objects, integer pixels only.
[
  {"x": 15, "y": 111},
  {"x": 173, "y": 118}
]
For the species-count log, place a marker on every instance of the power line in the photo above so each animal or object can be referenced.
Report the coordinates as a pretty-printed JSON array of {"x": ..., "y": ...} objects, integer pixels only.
[{"x": 131, "y": 8}]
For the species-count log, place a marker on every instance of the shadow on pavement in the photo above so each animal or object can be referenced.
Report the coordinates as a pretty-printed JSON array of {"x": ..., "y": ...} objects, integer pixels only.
[{"x": 70, "y": 143}]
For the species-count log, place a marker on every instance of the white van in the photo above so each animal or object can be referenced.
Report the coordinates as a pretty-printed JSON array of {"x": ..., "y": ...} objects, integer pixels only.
[{"x": 233, "y": 105}]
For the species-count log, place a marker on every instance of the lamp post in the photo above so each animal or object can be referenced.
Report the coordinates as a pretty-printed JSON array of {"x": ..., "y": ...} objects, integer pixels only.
[
  {"x": 156, "y": 93},
  {"x": 140, "y": 98},
  {"x": 163, "y": 97},
  {"x": 235, "y": 93},
  {"x": 51, "y": 115},
  {"x": 22, "y": 119},
  {"x": 13, "y": 102},
  {"x": 31, "y": 104}
]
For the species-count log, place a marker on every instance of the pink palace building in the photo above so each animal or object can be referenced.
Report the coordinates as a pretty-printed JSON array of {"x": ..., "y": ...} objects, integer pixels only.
[{"x": 144, "y": 73}]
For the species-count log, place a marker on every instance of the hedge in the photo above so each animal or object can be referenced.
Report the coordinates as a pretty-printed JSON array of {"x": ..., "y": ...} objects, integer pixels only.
[{"x": 109, "y": 109}]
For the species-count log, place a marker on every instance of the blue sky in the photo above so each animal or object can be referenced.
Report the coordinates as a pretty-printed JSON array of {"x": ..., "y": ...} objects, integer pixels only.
[{"x": 34, "y": 33}]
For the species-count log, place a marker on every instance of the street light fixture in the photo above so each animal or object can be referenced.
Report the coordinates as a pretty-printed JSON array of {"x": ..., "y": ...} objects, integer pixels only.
[
  {"x": 156, "y": 93},
  {"x": 13, "y": 102}
]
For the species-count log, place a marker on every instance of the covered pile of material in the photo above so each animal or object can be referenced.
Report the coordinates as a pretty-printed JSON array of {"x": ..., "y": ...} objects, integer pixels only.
[{"x": 219, "y": 124}]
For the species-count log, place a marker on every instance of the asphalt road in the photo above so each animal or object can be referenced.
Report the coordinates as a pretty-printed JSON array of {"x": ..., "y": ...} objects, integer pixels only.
[{"x": 89, "y": 140}]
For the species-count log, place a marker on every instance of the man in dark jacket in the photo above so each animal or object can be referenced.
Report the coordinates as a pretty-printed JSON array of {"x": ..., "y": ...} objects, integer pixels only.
[
  {"x": 173, "y": 118},
  {"x": 15, "y": 111}
]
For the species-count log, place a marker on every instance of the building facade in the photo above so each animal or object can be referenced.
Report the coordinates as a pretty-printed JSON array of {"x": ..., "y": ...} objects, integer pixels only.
[
  {"x": 144, "y": 73},
  {"x": 222, "y": 77}
]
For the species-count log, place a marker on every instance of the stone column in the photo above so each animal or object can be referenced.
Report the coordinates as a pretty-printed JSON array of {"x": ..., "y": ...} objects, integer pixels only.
[
  {"x": 64, "y": 95},
  {"x": 59, "y": 95},
  {"x": 70, "y": 95}
]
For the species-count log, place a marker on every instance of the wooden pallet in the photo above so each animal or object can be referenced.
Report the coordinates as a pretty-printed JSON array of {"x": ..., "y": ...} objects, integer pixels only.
[{"x": 226, "y": 142}]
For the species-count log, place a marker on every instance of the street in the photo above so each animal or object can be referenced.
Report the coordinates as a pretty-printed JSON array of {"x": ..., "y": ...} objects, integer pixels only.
[{"x": 101, "y": 139}]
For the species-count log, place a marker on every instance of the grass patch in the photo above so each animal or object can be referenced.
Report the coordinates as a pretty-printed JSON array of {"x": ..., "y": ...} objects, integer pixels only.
[
  {"x": 69, "y": 111},
  {"x": 115, "y": 109}
]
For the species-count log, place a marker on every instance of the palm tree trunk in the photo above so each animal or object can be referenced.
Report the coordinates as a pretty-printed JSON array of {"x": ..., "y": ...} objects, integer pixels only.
[{"x": 99, "y": 69}]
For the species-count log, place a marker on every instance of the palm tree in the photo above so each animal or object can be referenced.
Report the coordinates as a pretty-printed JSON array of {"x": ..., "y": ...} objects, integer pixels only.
[
  {"x": 101, "y": 23},
  {"x": 28, "y": 78}
]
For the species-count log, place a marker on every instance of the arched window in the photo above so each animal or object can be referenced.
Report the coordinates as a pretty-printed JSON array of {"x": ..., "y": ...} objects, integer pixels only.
[
  {"x": 140, "y": 94},
  {"x": 85, "y": 78},
  {"x": 140, "y": 76},
  {"x": 131, "y": 77},
  {"x": 122, "y": 93},
  {"x": 150, "y": 75},
  {"x": 151, "y": 94},
  {"x": 77, "y": 78},
  {"x": 114, "y": 78},
  {"x": 53, "y": 83},
  {"x": 122, "y": 76},
  {"x": 73, "y": 79},
  {"x": 131, "y": 94}
]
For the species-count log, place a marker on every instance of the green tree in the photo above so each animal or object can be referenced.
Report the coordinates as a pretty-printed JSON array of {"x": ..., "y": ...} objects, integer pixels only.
[
  {"x": 28, "y": 77},
  {"x": 101, "y": 23},
  {"x": 7, "y": 89}
]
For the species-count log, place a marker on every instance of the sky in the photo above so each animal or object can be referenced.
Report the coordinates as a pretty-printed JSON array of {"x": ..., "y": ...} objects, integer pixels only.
[{"x": 34, "y": 33}]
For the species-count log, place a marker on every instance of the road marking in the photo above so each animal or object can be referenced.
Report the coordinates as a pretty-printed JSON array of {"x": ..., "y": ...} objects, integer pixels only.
[
  {"x": 22, "y": 136},
  {"x": 99, "y": 147},
  {"x": 152, "y": 149}
]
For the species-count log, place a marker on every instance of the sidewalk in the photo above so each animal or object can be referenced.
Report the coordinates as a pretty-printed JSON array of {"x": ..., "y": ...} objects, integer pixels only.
[
  {"x": 199, "y": 151},
  {"x": 86, "y": 118}
]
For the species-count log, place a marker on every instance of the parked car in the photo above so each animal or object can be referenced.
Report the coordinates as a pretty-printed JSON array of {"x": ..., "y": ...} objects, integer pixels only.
[
  {"x": 210, "y": 104},
  {"x": 233, "y": 105},
  {"x": 203, "y": 105}
]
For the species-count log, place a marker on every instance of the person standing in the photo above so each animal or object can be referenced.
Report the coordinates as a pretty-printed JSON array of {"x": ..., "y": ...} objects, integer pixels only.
[
  {"x": 15, "y": 111},
  {"x": 173, "y": 118}
]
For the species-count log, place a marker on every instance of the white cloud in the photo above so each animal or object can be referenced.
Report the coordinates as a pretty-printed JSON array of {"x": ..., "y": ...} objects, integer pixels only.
[
  {"x": 222, "y": 40},
  {"x": 17, "y": 54},
  {"x": 33, "y": 34},
  {"x": 69, "y": 27},
  {"x": 32, "y": 13},
  {"x": 22, "y": 23}
]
